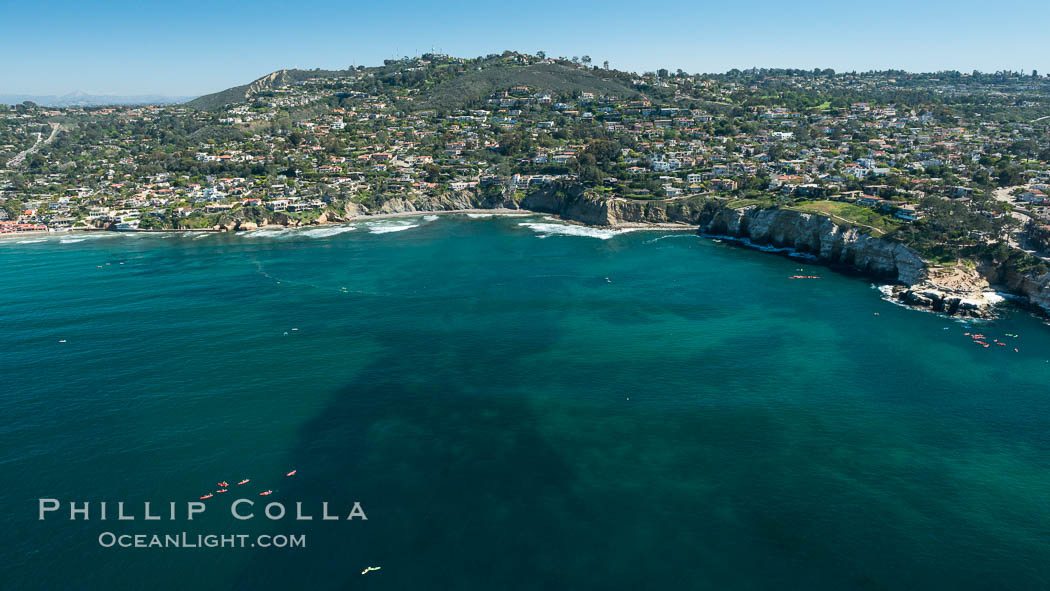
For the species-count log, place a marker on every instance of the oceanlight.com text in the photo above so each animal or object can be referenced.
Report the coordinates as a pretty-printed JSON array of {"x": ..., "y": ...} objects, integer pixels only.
[{"x": 195, "y": 541}]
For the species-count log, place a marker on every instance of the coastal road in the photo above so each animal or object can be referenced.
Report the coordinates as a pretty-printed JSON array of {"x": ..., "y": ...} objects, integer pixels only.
[
  {"x": 1003, "y": 194},
  {"x": 21, "y": 157}
]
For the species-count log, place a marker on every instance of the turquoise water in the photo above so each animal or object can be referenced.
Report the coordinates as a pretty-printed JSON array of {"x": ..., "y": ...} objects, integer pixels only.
[{"x": 513, "y": 407}]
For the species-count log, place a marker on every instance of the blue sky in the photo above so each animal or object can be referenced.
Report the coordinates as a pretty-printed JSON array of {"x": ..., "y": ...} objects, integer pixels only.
[{"x": 190, "y": 48}]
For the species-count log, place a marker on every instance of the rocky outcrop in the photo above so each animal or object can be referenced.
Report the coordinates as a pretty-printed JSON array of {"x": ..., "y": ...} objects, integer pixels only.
[{"x": 958, "y": 290}]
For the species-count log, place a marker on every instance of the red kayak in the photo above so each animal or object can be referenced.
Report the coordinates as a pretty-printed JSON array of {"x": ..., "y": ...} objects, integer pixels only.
[
  {"x": 292, "y": 473},
  {"x": 245, "y": 481},
  {"x": 265, "y": 493},
  {"x": 207, "y": 496}
]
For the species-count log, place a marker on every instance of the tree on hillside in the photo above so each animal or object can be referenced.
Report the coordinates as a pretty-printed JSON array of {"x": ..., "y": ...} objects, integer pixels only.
[{"x": 433, "y": 172}]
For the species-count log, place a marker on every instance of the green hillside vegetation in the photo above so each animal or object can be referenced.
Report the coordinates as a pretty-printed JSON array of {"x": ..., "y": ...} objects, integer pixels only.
[
  {"x": 474, "y": 86},
  {"x": 238, "y": 94},
  {"x": 218, "y": 99},
  {"x": 442, "y": 88},
  {"x": 857, "y": 215}
]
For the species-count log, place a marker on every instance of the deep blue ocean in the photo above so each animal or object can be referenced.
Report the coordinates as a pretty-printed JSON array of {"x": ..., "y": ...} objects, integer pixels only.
[{"x": 516, "y": 404}]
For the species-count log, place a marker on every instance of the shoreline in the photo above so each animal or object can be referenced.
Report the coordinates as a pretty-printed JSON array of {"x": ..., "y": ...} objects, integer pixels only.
[
  {"x": 499, "y": 212},
  {"x": 740, "y": 242},
  {"x": 30, "y": 233},
  {"x": 496, "y": 212}
]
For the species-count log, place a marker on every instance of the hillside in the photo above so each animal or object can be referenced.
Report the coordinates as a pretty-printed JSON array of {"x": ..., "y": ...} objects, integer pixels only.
[
  {"x": 270, "y": 81},
  {"x": 463, "y": 90},
  {"x": 478, "y": 84}
]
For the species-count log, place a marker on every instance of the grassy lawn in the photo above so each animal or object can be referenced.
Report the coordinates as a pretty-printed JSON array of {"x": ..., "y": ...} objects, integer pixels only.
[
  {"x": 738, "y": 202},
  {"x": 854, "y": 214}
]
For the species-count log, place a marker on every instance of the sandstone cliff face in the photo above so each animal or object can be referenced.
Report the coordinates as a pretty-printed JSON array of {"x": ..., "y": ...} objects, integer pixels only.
[
  {"x": 822, "y": 238},
  {"x": 659, "y": 212},
  {"x": 267, "y": 82},
  {"x": 1035, "y": 288},
  {"x": 573, "y": 205},
  {"x": 594, "y": 210},
  {"x": 452, "y": 201},
  {"x": 398, "y": 205}
]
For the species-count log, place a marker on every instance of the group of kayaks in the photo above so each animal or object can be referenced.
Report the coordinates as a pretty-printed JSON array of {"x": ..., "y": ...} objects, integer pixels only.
[
  {"x": 225, "y": 487},
  {"x": 803, "y": 277},
  {"x": 979, "y": 339}
]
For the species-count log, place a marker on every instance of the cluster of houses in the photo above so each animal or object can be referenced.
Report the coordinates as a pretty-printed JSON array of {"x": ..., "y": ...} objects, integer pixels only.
[
  {"x": 373, "y": 144},
  {"x": 10, "y": 227}
]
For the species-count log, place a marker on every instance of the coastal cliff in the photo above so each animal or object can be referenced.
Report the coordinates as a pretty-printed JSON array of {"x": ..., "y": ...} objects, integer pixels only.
[
  {"x": 571, "y": 203},
  {"x": 1035, "y": 288},
  {"x": 954, "y": 289},
  {"x": 821, "y": 237}
]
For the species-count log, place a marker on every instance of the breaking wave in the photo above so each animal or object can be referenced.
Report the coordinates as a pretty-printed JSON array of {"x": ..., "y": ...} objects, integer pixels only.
[
  {"x": 387, "y": 227},
  {"x": 546, "y": 230},
  {"x": 282, "y": 233},
  {"x": 324, "y": 232},
  {"x": 994, "y": 297}
]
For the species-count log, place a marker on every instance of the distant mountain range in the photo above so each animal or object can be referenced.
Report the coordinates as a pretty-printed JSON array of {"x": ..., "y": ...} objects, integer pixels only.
[{"x": 83, "y": 99}]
